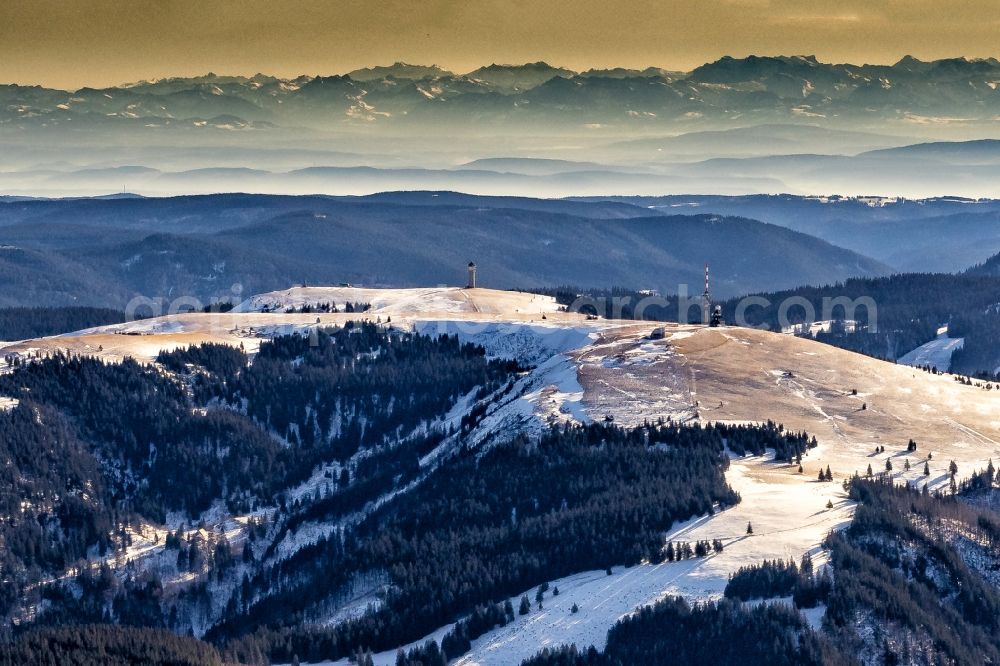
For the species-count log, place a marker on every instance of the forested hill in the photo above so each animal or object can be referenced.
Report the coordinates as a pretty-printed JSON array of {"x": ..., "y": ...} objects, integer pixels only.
[
  {"x": 36, "y": 322},
  {"x": 104, "y": 252},
  {"x": 935, "y": 235},
  {"x": 910, "y": 309},
  {"x": 318, "y": 436},
  {"x": 96, "y": 448},
  {"x": 484, "y": 528},
  {"x": 989, "y": 267}
]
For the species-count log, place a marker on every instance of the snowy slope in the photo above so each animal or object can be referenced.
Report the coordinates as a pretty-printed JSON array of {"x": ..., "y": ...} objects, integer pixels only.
[
  {"x": 589, "y": 370},
  {"x": 739, "y": 375},
  {"x": 406, "y": 301},
  {"x": 936, "y": 353},
  {"x": 786, "y": 524}
]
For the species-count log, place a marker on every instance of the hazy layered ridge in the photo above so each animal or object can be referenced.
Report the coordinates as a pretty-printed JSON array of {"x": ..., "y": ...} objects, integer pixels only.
[
  {"x": 637, "y": 168},
  {"x": 734, "y": 126}
]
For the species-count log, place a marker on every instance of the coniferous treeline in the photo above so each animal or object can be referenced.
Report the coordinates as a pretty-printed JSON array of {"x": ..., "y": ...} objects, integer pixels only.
[
  {"x": 342, "y": 390},
  {"x": 978, "y": 355},
  {"x": 763, "y": 581},
  {"x": 359, "y": 386},
  {"x": 901, "y": 594},
  {"x": 485, "y": 618},
  {"x": 327, "y": 307},
  {"x": 488, "y": 526},
  {"x": 889, "y": 566},
  {"x": 756, "y": 440},
  {"x": 721, "y": 634},
  {"x": 213, "y": 357},
  {"x": 52, "y": 495},
  {"x": 158, "y": 453},
  {"x": 777, "y": 578},
  {"x": 24, "y": 323},
  {"x": 106, "y": 645},
  {"x": 910, "y": 309},
  {"x": 620, "y": 303},
  {"x": 428, "y": 654}
]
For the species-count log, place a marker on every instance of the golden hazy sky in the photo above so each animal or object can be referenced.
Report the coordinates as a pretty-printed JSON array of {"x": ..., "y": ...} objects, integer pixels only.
[{"x": 71, "y": 43}]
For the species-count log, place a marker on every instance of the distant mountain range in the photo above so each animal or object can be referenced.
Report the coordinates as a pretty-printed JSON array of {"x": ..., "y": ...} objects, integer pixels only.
[
  {"x": 748, "y": 90},
  {"x": 755, "y": 125}
]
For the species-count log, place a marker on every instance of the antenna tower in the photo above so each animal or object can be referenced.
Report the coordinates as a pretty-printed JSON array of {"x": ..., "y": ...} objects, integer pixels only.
[{"x": 706, "y": 302}]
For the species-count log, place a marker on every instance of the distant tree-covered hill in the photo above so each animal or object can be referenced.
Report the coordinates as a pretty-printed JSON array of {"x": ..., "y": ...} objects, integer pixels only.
[
  {"x": 203, "y": 246},
  {"x": 945, "y": 234},
  {"x": 24, "y": 323},
  {"x": 910, "y": 308}
]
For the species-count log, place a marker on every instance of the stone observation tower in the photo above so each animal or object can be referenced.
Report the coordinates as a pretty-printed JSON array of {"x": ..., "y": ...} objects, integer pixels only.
[{"x": 472, "y": 275}]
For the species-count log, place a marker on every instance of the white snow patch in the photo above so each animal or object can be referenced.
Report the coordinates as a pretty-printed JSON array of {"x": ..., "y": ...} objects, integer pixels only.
[
  {"x": 822, "y": 326},
  {"x": 814, "y": 616},
  {"x": 526, "y": 342},
  {"x": 936, "y": 353},
  {"x": 409, "y": 302}
]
